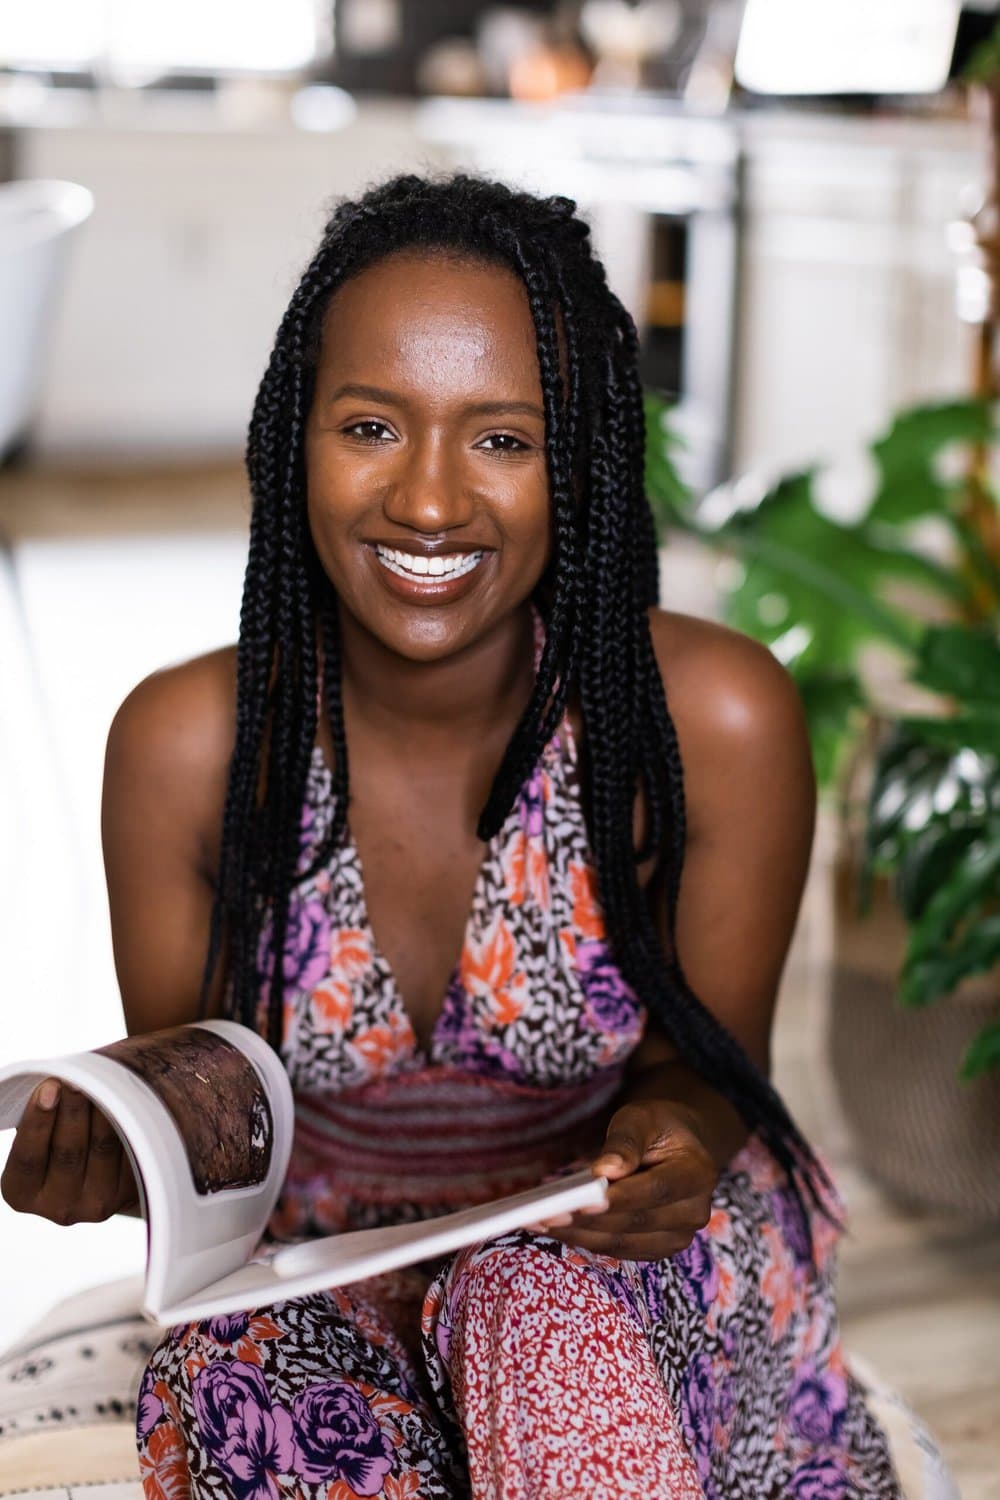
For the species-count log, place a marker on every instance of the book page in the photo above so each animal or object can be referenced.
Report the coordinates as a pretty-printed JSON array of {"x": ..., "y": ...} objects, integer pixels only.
[
  {"x": 206, "y": 1198},
  {"x": 336, "y": 1260},
  {"x": 214, "y": 1097}
]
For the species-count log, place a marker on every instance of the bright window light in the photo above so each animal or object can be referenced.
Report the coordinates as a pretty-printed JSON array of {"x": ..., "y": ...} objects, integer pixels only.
[
  {"x": 846, "y": 46},
  {"x": 153, "y": 37}
]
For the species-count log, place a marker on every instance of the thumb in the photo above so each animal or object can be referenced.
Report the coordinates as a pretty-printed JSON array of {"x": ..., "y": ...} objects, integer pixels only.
[{"x": 624, "y": 1144}]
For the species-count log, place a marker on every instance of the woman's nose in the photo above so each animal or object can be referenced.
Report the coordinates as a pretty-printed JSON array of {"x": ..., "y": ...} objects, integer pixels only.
[{"x": 429, "y": 492}]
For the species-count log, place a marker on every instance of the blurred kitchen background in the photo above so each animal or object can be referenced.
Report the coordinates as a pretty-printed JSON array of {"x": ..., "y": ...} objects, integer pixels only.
[{"x": 781, "y": 193}]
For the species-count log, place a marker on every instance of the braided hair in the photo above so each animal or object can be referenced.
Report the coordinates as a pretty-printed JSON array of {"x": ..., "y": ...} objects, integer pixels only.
[{"x": 594, "y": 597}]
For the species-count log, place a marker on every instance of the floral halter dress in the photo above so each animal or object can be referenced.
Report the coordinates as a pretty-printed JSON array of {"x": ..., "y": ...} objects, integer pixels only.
[{"x": 519, "y": 1368}]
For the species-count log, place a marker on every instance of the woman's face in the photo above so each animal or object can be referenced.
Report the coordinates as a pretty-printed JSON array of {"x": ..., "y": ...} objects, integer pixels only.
[{"x": 425, "y": 460}]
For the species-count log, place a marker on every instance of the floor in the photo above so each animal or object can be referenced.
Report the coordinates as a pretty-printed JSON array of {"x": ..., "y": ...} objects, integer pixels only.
[{"x": 112, "y": 575}]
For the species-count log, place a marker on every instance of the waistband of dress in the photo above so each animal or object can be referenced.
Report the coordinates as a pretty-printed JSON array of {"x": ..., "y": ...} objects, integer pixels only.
[{"x": 438, "y": 1134}]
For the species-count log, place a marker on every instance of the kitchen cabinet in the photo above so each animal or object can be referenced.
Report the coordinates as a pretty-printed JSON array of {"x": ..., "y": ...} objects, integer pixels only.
[{"x": 819, "y": 282}]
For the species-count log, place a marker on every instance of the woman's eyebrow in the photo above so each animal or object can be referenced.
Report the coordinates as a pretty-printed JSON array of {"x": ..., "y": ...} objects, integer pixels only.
[{"x": 474, "y": 408}]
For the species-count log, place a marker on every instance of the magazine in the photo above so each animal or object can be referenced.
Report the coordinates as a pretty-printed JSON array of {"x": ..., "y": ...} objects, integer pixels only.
[{"x": 205, "y": 1115}]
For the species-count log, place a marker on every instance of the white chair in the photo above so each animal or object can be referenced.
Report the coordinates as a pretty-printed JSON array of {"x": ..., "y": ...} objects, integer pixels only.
[{"x": 37, "y": 222}]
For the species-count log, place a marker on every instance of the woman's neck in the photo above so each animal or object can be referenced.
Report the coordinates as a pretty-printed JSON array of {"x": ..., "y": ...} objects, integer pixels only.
[{"x": 465, "y": 698}]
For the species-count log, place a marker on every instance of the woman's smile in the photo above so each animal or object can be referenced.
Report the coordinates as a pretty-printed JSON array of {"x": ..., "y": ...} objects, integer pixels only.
[{"x": 423, "y": 575}]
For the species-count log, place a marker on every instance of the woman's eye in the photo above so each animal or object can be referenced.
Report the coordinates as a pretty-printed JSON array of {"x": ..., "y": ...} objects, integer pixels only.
[
  {"x": 369, "y": 431},
  {"x": 506, "y": 442}
]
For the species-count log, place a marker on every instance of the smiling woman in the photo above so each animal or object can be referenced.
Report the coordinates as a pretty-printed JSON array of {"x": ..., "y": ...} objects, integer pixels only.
[{"x": 425, "y": 826}]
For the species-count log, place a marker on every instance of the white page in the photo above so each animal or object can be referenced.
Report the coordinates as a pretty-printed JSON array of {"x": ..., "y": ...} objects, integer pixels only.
[
  {"x": 193, "y": 1237},
  {"x": 315, "y": 1265}
]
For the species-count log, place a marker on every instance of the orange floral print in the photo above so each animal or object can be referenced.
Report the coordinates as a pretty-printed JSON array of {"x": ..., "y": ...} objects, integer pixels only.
[
  {"x": 380, "y": 1045},
  {"x": 488, "y": 971},
  {"x": 332, "y": 1001},
  {"x": 588, "y": 918},
  {"x": 515, "y": 869},
  {"x": 350, "y": 953},
  {"x": 163, "y": 1465},
  {"x": 778, "y": 1281},
  {"x": 332, "y": 1006},
  {"x": 406, "y": 1487}
]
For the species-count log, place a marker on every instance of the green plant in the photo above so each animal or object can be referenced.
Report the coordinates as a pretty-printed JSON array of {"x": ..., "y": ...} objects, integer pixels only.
[{"x": 821, "y": 591}]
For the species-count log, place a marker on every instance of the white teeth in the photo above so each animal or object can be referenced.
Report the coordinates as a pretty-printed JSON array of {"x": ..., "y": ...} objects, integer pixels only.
[{"x": 409, "y": 565}]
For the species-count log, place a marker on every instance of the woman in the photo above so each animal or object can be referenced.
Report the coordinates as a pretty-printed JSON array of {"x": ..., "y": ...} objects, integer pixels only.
[{"x": 449, "y": 641}]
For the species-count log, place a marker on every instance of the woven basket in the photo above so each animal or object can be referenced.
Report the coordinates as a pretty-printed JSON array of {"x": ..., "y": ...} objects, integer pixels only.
[{"x": 923, "y": 1134}]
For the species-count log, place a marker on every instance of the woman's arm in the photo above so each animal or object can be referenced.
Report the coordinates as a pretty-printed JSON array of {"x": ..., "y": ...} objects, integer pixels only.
[
  {"x": 751, "y": 799},
  {"x": 164, "y": 780}
]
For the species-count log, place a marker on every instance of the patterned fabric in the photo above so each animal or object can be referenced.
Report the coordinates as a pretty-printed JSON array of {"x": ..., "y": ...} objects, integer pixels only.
[{"x": 520, "y": 1367}]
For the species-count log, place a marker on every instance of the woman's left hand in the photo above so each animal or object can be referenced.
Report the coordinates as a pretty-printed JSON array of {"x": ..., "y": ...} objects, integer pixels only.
[{"x": 662, "y": 1177}]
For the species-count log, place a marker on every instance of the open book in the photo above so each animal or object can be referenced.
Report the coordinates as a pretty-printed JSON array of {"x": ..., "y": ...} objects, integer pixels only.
[{"x": 205, "y": 1114}]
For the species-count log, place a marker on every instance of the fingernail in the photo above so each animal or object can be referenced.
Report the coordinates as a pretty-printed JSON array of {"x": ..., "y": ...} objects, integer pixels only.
[
  {"x": 605, "y": 1164},
  {"x": 595, "y": 1208},
  {"x": 48, "y": 1094},
  {"x": 558, "y": 1220}
]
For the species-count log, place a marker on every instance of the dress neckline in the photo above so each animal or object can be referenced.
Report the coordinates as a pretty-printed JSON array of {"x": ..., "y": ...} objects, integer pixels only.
[{"x": 560, "y": 747}]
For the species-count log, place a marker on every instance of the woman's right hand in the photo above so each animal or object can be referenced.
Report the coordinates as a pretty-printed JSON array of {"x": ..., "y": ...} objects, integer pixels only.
[{"x": 67, "y": 1163}]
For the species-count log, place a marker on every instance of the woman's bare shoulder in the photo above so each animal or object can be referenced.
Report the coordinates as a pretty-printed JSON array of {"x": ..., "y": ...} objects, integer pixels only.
[
  {"x": 733, "y": 704},
  {"x": 169, "y": 748},
  {"x": 694, "y": 654},
  {"x": 185, "y": 712}
]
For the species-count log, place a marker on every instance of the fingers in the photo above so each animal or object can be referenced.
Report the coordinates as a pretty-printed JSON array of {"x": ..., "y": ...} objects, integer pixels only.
[
  {"x": 642, "y": 1133},
  {"x": 28, "y": 1162},
  {"x": 689, "y": 1214},
  {"x": 66, "y": 1161},
  {"x": 625, "y": 1143},
  {"x": 102, "y": 1186},
  {"x": 68, "y": 1154},
  {"x": 686, "y": 1174},
  {"x": 71, "y": 1139}
]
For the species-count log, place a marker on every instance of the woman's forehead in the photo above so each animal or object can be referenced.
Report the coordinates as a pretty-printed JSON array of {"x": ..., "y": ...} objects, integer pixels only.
[
  {"x": 437, "y": 302},
  {"x": 431, "y": 317}
]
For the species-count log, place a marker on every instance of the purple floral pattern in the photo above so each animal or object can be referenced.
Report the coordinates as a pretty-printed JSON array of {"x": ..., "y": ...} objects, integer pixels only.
[
  {"x": 609, "y": 1000},
  {"x": 790, "y": 1221},
  {"x": 698, "y": 1410},
  {"x": 817, "y": 1404},
  {"x": 149, "y": 1407},
  {"x": 820, "y": 1479},
  {"x": 306, "y": 957},
  {"x": 229, "y": 1328},
  {"x": 532, "y": 804},
  {"x": 338, "y": 1437},
  {"x": 699, "y": 1271},
  {"x": 249, "y": 1437}
]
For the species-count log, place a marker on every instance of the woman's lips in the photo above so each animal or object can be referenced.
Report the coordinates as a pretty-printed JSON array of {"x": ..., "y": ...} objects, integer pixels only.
[{"x": 397, "y": 569}]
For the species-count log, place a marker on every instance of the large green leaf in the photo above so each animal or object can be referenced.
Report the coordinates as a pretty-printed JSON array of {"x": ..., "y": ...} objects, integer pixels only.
[
  {"x": 937, "y": 974},
  {"x": 962, "y": 661},
  {"x": 977, "y": 730},
  {"x": 983, "y": 1052},
  {"x": 929, "y": 861},
  {"x": 958, "y": 924},
  {"x": 918, "y": 435},
  {"x": 823, "y": 578},
  {"x": 927, "y": 804}
]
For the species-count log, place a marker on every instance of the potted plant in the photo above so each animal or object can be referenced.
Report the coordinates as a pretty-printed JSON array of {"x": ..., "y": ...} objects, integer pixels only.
[{"x": 888, "y": 617}]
